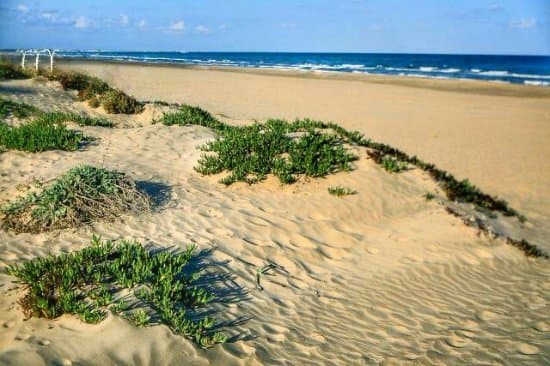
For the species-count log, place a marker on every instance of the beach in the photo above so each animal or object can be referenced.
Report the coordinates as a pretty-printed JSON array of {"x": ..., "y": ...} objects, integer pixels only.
[{"x": 383, "y": 276}]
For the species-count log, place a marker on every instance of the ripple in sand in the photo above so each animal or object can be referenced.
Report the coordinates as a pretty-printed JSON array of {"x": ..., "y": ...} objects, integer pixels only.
[
  {"x": 457, "y": 342},
  {"x": 542, "y": 327},
  {"x": 527, "y": 349}
]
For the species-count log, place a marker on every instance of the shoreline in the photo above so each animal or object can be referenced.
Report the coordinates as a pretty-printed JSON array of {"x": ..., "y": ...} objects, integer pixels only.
[
  {"x": 481, "y": 87},
  {"x": 461, "y": 85}
]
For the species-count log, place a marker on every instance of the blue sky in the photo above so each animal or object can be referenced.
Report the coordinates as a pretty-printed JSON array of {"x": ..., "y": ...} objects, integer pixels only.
[{"x": 423, "y": 26}]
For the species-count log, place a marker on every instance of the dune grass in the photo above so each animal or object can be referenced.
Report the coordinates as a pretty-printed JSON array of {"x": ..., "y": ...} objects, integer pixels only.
[
  {"x": 340, "y": 191},
  {"x": 192, "y": 115},
  {"x": 79, "y": 119},
  {"x": 40, "y": 135},
  {"x": 82, "y": 195},
  {"x": 89, "y": 282},
  {"x": 16, "y": 109},
  {"x": 250, "y": 153}
]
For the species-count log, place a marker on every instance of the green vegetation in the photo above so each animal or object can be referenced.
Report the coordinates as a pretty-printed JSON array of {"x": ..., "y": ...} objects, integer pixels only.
[
  {"x": 429, "y": 196},
  {"x": 40, "y": 135},
  {"x": 18, "y": 110},
  {"x": 340, "y": 191},
  {"x": 251, "y": 153},
  {"x": 97, "y": 92},
  {"x": 22, "y": 110},
  {"x": 116, "y": 101},
  {"x": 79, "y": 119},
  {"x": 86, "y": 283},
  {"x": 82, "y": 195},
  {"x": 190, "y": 115},
  {"x": 9, "y": 70},
  {"x": 392, "y": 165}
]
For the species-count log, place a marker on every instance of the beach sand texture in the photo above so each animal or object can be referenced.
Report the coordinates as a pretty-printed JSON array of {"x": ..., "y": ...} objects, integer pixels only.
[{"x": 383, "y": 276}]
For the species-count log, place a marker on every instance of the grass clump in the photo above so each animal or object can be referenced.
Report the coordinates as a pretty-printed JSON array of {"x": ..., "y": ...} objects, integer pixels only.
[
  {"x": 251, "y": 153},
  {"x": 16, "y": 109},
  {"x": 116, "y": 101},
  {"x": 340, "y": 191},
  {"x": 191, "y": 115},
  {"x": 82, "y": 195},
  {"x": 86, "y": 282},
  {"x": 40, "y": 135},
  {"x": 81, "y": 120},
  {"x": 392, "y": 165}
]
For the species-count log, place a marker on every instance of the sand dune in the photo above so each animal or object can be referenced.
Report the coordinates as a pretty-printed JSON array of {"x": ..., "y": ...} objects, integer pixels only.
[{"x": 383, "y": 276}]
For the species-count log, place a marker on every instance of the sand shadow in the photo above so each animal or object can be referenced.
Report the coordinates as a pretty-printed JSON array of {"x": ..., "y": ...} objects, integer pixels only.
[
  {"x": 159, "y": 193},
  {"x": 216, "y": 278},
  {"x": 12, "y": 89}
]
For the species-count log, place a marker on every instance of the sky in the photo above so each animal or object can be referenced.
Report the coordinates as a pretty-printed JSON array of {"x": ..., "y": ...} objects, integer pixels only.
[{"x": 401, "y": 26}]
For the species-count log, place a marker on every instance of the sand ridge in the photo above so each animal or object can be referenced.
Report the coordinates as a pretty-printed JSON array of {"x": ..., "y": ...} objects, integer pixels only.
[{"x": 383, "y": 276}]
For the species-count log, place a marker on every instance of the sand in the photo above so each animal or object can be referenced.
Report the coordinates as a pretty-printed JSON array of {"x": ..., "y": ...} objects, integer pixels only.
[{"x": 383, "y": 276}]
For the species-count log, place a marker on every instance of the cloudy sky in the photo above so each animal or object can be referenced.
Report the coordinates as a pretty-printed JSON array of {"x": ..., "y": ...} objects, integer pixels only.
[{"x": 438, "y": 26}]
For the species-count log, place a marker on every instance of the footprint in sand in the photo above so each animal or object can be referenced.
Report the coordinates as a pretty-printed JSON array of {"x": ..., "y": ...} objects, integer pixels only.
[
  {"x": 527, "y": 349},
  {"x": 8, "y": 324},
  {"x": 43, "y": 342}
]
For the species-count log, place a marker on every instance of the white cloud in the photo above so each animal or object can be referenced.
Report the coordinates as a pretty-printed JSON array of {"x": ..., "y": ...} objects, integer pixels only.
[
  {"x": 524, "y": 23},
  {"x": 124, "y": 20},
  {"x": 202, "y": 29},
  {"x": 142, "y": 23},
  {"x": 48, "y": 16},
  {"x": 22, "y": 8},
  {"x": 178, "y": 26},
  {"x": 81, "y": 22}
]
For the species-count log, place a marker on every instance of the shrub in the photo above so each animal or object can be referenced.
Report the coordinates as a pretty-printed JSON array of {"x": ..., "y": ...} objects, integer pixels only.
[
  {"x": 250, "y": 153},
  {"x": 86, "y": 282},
  {"x": 71, "y": 80},
  {"x": 392, "y": 165},
  {"x": 190, "y": 115},
  {"x": 82, "y": 195},
  {"x": 340, "y": 191},
  {"x": 115, "y": 101},
  {"x": 19, "y": 110},
  {"x": 40, "y": 135}
]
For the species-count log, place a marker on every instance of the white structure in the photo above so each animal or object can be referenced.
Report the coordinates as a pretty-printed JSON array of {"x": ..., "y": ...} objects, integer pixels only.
[
  {"x": 23, "y": 58},
  {"x": 51, "y": 53},
  {"x": 37, "y": 60}
]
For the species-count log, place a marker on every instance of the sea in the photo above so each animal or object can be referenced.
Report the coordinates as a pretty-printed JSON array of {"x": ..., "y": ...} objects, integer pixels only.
[{"x": 530, "y": 70}]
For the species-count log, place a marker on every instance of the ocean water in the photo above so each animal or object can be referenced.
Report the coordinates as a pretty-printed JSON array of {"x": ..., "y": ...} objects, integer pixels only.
[{"x": 533, "y": 70}]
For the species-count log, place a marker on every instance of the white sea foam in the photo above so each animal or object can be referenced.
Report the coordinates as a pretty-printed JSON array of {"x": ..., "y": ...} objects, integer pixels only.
[{"x": 536, "y": 82}]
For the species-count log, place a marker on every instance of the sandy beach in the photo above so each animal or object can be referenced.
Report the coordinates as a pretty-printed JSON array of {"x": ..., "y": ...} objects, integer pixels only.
[{"x": 380, "y": 277}]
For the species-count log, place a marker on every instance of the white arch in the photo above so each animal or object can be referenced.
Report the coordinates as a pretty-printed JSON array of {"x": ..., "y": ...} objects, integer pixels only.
[{"x": 52, "y": 53}]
